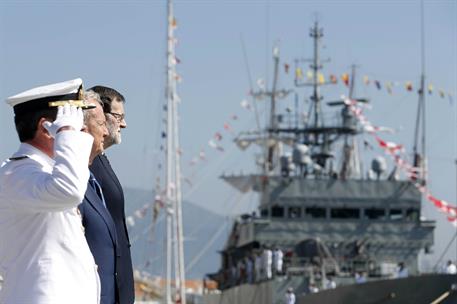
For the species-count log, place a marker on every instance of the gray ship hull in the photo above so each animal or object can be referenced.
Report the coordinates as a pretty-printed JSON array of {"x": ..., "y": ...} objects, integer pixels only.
[{"x": 412, "y": 290}]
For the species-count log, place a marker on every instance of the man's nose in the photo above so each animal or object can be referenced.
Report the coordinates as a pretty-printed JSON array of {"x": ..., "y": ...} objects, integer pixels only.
[{"x": 123, "y": 123}]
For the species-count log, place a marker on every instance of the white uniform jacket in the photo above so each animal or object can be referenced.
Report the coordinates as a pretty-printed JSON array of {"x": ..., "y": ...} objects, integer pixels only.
[{"x": 44, "y": 256}]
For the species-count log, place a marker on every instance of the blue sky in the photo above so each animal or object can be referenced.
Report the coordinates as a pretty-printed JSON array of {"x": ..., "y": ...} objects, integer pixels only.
[{"x": 122, "y": 44}]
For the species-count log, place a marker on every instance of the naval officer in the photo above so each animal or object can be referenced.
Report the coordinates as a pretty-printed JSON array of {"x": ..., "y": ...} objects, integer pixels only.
[{"x": 44, "y": 256}]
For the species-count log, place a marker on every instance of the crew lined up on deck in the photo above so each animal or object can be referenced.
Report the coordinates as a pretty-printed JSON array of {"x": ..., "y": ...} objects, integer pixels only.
[
  {"x": 260, "y": 266},
  {"x": 63, "y": 232}
]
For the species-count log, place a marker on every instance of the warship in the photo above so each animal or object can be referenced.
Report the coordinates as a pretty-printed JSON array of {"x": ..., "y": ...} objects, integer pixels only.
[{"x": 343, "y": 233}]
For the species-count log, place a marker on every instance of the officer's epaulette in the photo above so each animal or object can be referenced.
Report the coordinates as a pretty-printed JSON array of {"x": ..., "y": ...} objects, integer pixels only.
[{"x": 18, "y": 157}]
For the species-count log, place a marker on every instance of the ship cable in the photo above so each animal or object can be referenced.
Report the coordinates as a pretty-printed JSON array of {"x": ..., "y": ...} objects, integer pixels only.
[{"x": 251, "y": 88}]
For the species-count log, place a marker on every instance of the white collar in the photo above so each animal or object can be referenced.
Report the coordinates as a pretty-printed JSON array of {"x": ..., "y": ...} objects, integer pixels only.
[{"x": 34, "y": 153}]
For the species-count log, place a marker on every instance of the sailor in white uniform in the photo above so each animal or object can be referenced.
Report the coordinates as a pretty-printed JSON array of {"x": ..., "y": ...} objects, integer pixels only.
[
  {"x": 278, "y": 257},
  {"x": 44, "y": 256},
  {"x": 267, "y": 257},
  {"x": 290, "y": 296},
  {"x": 450, "y": 268}
]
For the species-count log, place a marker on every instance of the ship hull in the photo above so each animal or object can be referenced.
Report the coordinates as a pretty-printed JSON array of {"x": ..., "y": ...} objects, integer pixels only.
[{"x": 414, "y": 290}]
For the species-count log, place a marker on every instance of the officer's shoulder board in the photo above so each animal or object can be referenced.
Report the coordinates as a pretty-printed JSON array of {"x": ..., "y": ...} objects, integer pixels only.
[{"x": 18, "y": 157}]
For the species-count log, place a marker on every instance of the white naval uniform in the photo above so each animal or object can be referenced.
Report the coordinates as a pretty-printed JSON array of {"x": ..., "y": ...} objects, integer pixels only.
[
  {"x": 267, "y": 262},
  {"x": 278, "y": 260},
  {"x": 44, "y": 256},
  {"x": 290, "y": 298}
]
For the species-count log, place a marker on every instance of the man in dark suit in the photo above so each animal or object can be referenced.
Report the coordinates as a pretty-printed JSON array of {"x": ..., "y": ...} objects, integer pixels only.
[
  {"x": 99, "y": 228},
  {"x": 101, "y": 236},
  {"x": 113, "y": 107}
]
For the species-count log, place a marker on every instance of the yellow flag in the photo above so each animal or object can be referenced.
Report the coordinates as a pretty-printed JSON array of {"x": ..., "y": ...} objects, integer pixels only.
[
  {"x": 298, "y": 73},
  {"x": 345, "y": 78},
  {"x": 389, "y": 87}
]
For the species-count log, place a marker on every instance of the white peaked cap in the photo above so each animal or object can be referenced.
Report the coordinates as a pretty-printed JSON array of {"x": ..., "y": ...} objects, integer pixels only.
[
  {"x": 49, "y": 96},
  {"x": 55, "y": 89}
]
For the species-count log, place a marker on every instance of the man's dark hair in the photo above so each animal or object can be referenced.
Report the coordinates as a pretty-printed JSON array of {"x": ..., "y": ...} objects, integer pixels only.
[
  {"x": 107, "y": 95},
  {"x": 27, "y": 123}
]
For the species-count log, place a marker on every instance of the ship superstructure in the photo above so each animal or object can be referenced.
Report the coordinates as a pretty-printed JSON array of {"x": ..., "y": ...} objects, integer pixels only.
[{"x": 332, "y": 221}]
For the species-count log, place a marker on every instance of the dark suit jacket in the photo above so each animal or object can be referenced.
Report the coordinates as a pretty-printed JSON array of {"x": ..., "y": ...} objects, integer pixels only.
[
  {"x": 102, "y": 239},
  {"x": 114, "y": 198}
]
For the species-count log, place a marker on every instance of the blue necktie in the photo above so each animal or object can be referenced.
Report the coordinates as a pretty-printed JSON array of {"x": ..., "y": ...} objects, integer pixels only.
[{"x": 96, "y": 186}]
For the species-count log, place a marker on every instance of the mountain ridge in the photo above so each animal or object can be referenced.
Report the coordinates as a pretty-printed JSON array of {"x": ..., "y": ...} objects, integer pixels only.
[{"x": 199, "y": 225}]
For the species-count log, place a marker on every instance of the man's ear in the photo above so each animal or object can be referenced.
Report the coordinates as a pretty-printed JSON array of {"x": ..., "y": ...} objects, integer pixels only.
[{"x": 41, "y": 129}]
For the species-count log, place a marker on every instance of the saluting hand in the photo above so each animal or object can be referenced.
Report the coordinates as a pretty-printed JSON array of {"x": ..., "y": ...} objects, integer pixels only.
[{"x": 68, "y": 118}]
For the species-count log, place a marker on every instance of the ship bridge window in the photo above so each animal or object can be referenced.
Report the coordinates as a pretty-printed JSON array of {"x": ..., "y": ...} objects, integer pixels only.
[
  {"x": 277, "y": 211},
  {"x": 294, "y": 212},
  {"x": 412, "y": 214},
  {"x": 395, "y": 214},
  {"x": 315, "y": 212},
  {"x": 375, "y": 214},
  {"x": 345, "y": 213},
  {"x": 264, "y": 213}
]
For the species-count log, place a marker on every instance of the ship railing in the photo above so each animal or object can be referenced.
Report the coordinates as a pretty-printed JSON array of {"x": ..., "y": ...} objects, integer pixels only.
[
  {"x": 315, "y": 268},
  {"x": 330, "y": 119},
  {"x": 328, "y": 266},
  {"x": 336, "y": 120}
]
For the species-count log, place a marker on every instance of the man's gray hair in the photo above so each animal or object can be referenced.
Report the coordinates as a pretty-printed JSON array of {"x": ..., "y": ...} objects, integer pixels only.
[{"x": 91, "y": 96}]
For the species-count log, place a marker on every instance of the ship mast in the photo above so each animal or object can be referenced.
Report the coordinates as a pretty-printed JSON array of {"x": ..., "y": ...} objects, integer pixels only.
[
  {"x": 271, "y": 138},
  {"x": 317, "y": 135},
  {"x": 273, "y": 120},
  {"x": 316, "y": 33},
  {"x": 174, "y": 237},
  {"x": 350, "y": 161},
  {"x": 419, "y": 157}
]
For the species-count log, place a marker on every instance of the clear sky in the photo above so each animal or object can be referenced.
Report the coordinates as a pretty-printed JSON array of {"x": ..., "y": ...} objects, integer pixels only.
[{"x": 122, "y": 44}]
